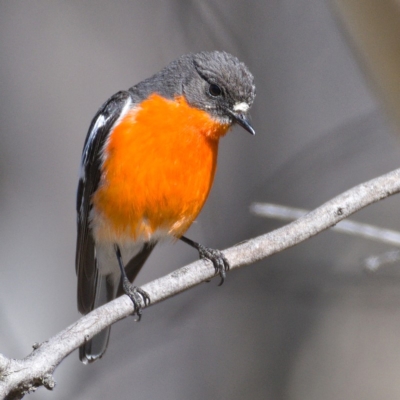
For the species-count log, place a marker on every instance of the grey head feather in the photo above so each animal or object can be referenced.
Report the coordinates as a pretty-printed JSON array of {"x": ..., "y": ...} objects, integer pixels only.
[
  {"x": 225, "y": 70},
  {"x": 192, "y": 74}
]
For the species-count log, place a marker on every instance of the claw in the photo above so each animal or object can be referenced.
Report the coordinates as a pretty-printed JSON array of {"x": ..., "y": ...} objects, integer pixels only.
[
  {"x": 221, "y": 264},
  {"x": 138, "y": 297}
]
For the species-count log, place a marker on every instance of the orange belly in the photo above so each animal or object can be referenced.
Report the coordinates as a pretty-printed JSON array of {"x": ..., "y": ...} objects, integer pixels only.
[{"x": 158, "y": 168}]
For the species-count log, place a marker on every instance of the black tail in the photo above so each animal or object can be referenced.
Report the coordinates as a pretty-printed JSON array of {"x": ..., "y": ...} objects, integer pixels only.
[
  {"x": 94, "y": 349},
  {"x": 105, "y": 292}
]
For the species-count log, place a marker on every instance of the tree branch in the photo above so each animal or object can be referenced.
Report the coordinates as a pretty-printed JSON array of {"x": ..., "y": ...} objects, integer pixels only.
[
  {"x": 19, "y": 377},
  {"x": 269, "y": 210}
]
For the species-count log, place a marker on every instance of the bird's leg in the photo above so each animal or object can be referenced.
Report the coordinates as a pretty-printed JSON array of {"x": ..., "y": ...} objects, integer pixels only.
[
  {"x": 136, "y": 294},
  {"x": 221, "y": 264}
]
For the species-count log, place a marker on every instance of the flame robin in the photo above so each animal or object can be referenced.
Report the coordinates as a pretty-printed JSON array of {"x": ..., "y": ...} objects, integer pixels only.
[{"x": 148, "y": 164}]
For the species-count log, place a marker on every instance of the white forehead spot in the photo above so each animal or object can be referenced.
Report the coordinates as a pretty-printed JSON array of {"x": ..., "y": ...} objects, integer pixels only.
[{"x": 243, "y": 107}]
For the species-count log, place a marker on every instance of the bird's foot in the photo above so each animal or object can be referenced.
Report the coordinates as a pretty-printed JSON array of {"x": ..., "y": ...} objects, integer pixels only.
[
  {"x": 138, "y": 296},
  {"x": 221, "y": 264}
]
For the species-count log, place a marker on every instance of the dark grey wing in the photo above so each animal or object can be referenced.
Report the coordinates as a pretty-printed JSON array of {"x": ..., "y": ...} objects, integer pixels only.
[{"x": 99, "y": 130}]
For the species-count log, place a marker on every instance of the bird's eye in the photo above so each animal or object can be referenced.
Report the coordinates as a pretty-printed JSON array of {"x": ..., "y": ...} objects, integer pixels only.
[{"x": 214, "y": 90}]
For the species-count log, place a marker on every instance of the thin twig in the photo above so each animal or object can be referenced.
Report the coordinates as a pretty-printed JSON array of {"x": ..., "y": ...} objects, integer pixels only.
[
  {"x": 350, "y": 227},
  {"x": 373, "y": 263},
  {"x": 19, "y": 377}
]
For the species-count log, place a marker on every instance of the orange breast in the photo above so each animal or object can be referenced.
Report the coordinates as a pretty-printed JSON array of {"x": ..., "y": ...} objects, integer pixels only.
[{"x": 159, "y": 165}]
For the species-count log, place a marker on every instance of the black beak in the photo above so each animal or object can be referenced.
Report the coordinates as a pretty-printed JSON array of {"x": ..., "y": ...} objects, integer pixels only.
[{"x": 243, "y": 121}]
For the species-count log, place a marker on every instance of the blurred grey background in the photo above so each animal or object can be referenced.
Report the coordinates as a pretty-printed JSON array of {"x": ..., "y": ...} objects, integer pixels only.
[{"x": 308, "y": 323}]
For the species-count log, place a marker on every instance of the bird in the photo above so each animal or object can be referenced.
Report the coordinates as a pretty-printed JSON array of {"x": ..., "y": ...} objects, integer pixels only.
[{"x": 147, "y": 167}]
